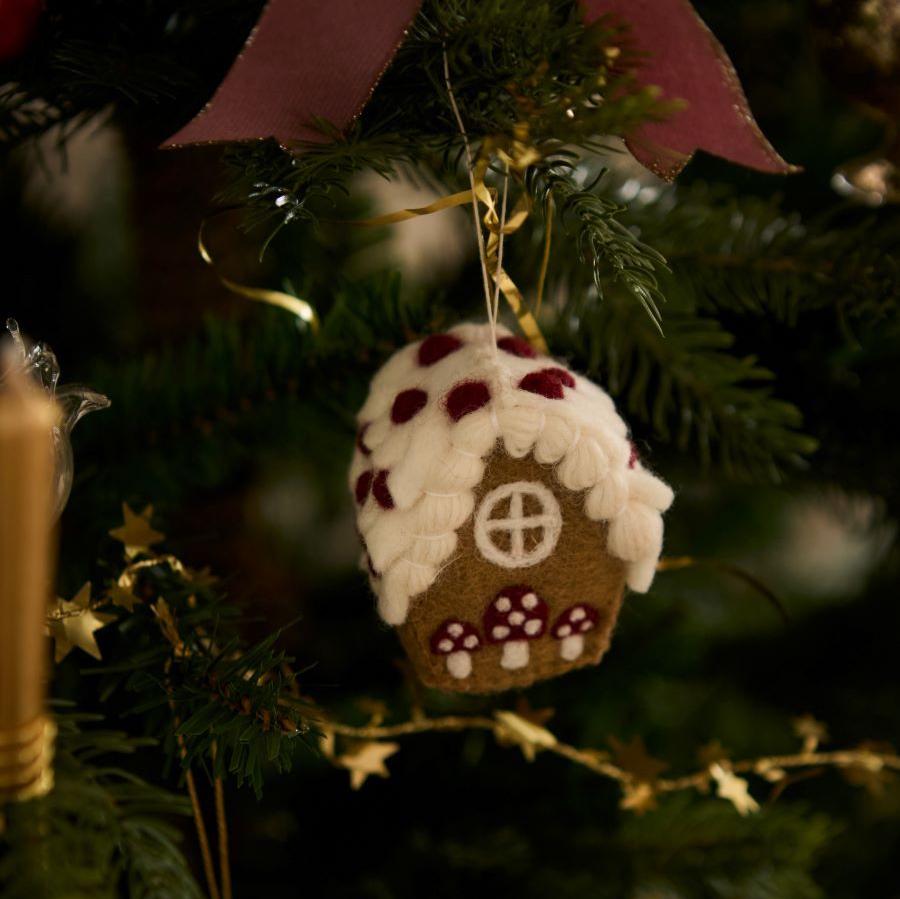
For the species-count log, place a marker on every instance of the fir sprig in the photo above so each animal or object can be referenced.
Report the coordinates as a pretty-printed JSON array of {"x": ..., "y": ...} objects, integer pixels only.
[
  {"x": 747, "y": 255},
  {"x": 117, "y": 57},
  {"x": 229, "y": 707},
  {"x": 687, "y": 386},
  {"x": 101, "y": 831},
  {"x": 613, "y": 252}
]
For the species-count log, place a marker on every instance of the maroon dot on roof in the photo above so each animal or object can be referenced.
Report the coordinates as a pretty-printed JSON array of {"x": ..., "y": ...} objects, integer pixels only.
[
  {"x": 634, "y": 456},
  {"x": 360, "y": 445},
  {"x": 466, "y": 397},
  {"x": 548, "y": 382},
  {"x": 380, "y": 491},
  {"x": 434, "y": 348},
  {"x": 407, "y": 404},
  {"x": 518, "y": 346},
  {"x": 363, "y": 485}
]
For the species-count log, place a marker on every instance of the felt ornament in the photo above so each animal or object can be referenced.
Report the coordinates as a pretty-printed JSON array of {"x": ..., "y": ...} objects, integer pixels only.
[{"x": 503, "y": 510}]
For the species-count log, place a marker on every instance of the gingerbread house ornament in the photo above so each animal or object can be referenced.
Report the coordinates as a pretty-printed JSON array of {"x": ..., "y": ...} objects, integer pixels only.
[{"x": 503, "y": 510}]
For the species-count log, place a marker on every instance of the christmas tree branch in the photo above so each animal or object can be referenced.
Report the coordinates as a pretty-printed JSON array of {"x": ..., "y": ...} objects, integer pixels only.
[
  {"x": 222, "y": 837},
  {"x": 613, "y": 252},
  {"x": 747, "y": 255},
  {"x": 231, "y": 707},
  {"x": 209, "y": 870},
  {"x": 100, "y": 827}
]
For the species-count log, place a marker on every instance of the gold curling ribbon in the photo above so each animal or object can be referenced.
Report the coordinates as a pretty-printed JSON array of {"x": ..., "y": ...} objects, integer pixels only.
[
  {"x": 522, "y": 157},
  {"x": 128, "y": 578},
  {"x": 301, "y": 308},
  {"x": 404, "y": 215},
  {"x": 517, "y": 155}
]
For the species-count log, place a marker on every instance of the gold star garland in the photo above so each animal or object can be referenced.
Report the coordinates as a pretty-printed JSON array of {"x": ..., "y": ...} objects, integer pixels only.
[
  {"x": 136, "y": 533},
  {"x": 368, "y": 747},
  {"x": 733, "y": 788},
  {"x": 636, "y": 771},
  {"x": 72, "y": 624}
]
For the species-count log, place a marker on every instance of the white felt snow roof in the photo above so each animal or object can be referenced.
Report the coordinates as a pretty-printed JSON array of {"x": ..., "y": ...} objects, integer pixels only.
[{"x": 436, "y": 411}]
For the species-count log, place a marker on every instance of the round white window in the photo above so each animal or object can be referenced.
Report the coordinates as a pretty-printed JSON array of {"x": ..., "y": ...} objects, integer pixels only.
[{"x": 518, "y": 524}]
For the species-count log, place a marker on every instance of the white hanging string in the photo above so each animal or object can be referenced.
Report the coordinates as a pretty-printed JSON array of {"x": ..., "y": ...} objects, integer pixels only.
[
  {"x": 490, "y": 301},
  {"x": 494, "y": 312}
]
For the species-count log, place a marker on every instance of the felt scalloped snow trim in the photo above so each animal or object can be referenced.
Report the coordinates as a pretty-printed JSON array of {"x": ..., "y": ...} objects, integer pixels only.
[{"x": 438, "y": 408}]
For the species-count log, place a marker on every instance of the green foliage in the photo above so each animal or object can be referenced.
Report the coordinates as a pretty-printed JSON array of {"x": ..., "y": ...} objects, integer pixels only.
[
  {"x": 611, "y": 249},
  {"x": 98, "y": 55},
  {"x": 221, "y": 395},
  {"x": 703, "y": 849},
  {"x": 689, "y": 847},
  {"x": 510, "y": 63},
  {"x": 746, "y": 255},
  {"x": 687, "y": 386},
  {"x": 227, "y": 706},
  {"x": 101, "y": 832}
]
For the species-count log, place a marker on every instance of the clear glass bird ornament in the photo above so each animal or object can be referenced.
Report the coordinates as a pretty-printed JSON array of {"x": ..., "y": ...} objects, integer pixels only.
[{"x": 74, "y": 401}]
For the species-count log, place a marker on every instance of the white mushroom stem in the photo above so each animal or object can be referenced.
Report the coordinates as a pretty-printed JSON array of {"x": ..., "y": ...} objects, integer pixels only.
[
  {"x": 515, "y": 655},
  {"x": 571, "y": 647},
  {"x": 459, "y": 664}
]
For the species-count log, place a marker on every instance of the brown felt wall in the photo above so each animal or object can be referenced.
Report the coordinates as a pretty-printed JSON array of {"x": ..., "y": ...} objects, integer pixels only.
[{"x": 579, "y": 570}]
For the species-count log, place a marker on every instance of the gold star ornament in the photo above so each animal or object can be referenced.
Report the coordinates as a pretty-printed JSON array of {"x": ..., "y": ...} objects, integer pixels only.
[
  {"x": 634, "y": 758},
  {"x": 367, "y": 759},
  {"x": 638, "y": 797},
  {"x": 811, "y": 731},
  {"x": 122, "y": 597},
  {"x": 72, "y": 624},
  {"x": 870, "y": 772},
  {"x": 201, "y": 577},
  {"x": 136, "y": 532},
  {"x": 513, "y": 729},
  {"x": 733, "y": 788}
]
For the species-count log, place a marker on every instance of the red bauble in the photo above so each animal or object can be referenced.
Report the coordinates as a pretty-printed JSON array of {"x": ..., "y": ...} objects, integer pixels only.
[{"x": 18, "y": 20}]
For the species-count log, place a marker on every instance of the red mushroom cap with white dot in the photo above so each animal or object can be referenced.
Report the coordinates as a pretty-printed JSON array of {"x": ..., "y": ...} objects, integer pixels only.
[
  {"x": 571, "y": 626},
  {"x": 456, "y": 640},
  {"x": 515, "y": 616},
  {"x": 453, "y": 636}
]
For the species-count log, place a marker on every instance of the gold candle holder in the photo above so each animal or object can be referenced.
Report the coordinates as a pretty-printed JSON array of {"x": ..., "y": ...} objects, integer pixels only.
[
  {"x": 27, "y": 417},
  {"x": 26, "y": 760}
]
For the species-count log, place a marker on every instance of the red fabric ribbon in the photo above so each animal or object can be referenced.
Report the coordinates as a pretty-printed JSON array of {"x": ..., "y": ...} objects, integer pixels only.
[
  {"x": 18, "y": 21},
  {"x": 682, "y": 56},
  {"x": 307, "y": 59}
]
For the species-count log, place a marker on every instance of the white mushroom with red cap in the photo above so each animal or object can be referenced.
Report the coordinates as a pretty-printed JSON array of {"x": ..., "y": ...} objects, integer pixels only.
[
  {"x": 515, "y": 616},
  {"x": 570, "y": 628},
  {"x": 456, "y": 640}
]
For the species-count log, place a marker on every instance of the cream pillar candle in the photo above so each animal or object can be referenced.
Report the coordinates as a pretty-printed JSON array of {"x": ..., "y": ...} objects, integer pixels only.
[{"x": 27, "y": 417}]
